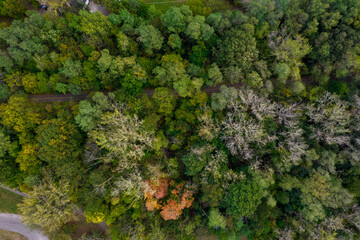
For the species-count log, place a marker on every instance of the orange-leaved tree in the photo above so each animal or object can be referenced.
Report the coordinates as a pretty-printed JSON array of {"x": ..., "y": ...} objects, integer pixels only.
[{"x": 179, "y": 198}]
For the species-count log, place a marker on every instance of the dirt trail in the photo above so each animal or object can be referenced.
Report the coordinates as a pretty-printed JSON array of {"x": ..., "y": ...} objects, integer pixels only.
[{"x": 83, "y": 96}]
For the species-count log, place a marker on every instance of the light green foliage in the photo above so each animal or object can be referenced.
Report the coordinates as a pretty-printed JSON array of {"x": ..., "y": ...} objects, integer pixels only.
[
  {"x": 220, "y": 100},
  {"x": 126, "y": 45},
  {"x": 95, "y": 26},
  {"x": 176, "y": 18},
  {"x": 61, "y": 88},
  {"x": 172, "y": 70},
  {"x": 113, "y": 68},
  {"x": 48, "y": 205},
  {"x": 215, "y": 75},
  {"x": 283, "y": 71},
  {"x": 297, "y": 87},
  {"x": 198, "y": 29},
  {"x": 71, "y": 69},
  {"x": 254, "y": 80},
  {"x": 19, "y": 114},
  {"x": 120, "y": 133},
  {"x": 187, "y": 86},
  {"x": 125, "y": 140},
  {"x": 105, "y": 60},
  {"x": 150, "y": 38},
  {"x": 164, "y": 100},
  {"x": 290, "y": 51},
  {"x": 23, "y": 37},
  {"x": 85, "y": 117},
  {"x": 238, "y": 48},
  {"x": 243, "y": 199},
  {"x": 216, "y": 219},
  {"x": 174, "y": 41}
]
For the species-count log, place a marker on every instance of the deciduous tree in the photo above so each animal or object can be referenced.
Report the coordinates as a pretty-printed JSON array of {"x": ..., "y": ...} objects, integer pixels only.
[{"x": 48, "y": 205}]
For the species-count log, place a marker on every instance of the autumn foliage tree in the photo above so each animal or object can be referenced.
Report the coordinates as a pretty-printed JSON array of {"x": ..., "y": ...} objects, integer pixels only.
[{"x": 180, "y": 197}]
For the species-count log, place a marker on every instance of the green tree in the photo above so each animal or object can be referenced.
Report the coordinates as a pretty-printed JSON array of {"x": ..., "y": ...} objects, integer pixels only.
[
  {"x": 19, "y": 114},
  {"x": 238, "y": 48},
  {"x": 6, "y": 63},
  {"x": 174, "y": 41},
  {"x": 282, "y": 71},
  {"x": 95, "y": 26},
  {"x": 199, "y": 53},
  {"x": 71, "y": 69},
  {"x": 90, "y": 112},
  {"x": 12, "y": 8},
  {"x": 30, "y": 83},
  {"x": 254, "y": 80},
  {"x": 25, "y": 44},
  {"x": 291, "y": 51},
  {"x": 172, "y": 70},
  {"x": 219, "y": 101},
  {"x": 61, "y": 88},
  {"x": 4, "y": 92},
  {"x": 126, "y": 44},
  {"x": 216, "y": 219},
  {"x": 243, "y": 198},
  {"x": 150, "y": 37},
  {"x": 164, "y": 100},
  {"x": 194, "y": 162},
  {"x": 197, "y": 29},
  {"x": 176, "y": 18},
  {"x": 60, "y": 146},
  {"x": 215, "y": 75}
]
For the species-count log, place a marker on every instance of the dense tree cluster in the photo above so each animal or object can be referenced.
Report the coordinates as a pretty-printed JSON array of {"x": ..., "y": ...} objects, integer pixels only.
[{"x": 207, "y": 119}]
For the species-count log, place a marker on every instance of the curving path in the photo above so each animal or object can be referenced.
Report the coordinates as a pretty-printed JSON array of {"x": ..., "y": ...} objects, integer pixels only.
[{"x": 13, "y": 223}]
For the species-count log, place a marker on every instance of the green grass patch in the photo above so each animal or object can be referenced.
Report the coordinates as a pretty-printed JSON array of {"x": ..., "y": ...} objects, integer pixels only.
[
  {"x": 8, "y": 201},
  {"x": 6, "y": 235},
  {"x": 164, "y": 5}
]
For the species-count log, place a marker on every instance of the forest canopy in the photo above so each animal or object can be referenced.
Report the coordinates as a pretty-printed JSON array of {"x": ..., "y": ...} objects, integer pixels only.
[{"x": 228, "y": 119}]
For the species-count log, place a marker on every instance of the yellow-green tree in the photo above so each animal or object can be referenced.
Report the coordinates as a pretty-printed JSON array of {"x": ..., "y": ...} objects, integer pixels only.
[{"x": 48, "y": 205}]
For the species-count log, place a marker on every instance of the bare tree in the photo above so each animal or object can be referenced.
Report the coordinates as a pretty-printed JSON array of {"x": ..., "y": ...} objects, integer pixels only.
[{"x": 330, "y": 118}]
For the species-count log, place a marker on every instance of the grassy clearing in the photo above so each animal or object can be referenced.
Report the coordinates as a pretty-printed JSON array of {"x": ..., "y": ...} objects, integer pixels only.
[
  {"x": 8, "y": 201},
  {"x": 5, "y": 235},
  {"x": 164, "y": 5}
]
